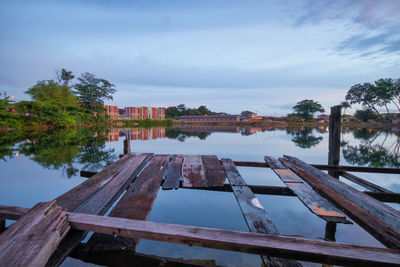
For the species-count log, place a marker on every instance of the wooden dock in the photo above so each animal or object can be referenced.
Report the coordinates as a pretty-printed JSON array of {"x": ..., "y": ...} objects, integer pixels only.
[{"x": 51, "y": 231}]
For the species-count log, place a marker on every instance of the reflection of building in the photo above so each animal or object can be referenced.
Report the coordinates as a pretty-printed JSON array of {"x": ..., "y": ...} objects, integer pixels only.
[
  {"x": 136, "y": 134},
  {"x": 211, "y": 118},
  {"x": 208, "y": 128}
]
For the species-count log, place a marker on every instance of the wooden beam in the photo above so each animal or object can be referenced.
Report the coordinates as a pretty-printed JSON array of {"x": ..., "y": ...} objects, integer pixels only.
[
  {"x": 136, "y": 204},
  {"x": 96, "y": 195},
  {"x": 364, "y": 183},
  {"x": 34, "y": 237},
  {"x": 174, "y": 173},
  {"x": 334, "y": 138},
  {"x": 311, "y": 199},
  {"x": 377, "y": 218},
  {"x": 117, "y": 258},
  {"x": 254, "y": 243},
  {"x": 214, "y": 172},
  {"x": 253, "y": 212},
  {"x": 340, "y": 168},
  {"x": 193, "y": 171}
]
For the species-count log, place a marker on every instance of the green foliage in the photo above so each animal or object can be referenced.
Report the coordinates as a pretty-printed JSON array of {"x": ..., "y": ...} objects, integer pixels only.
[
  {"x": 365, "y": 115},
  {"x": 50, "y": 91},
  {"x": 181, "y": 110},
  {"x": 307, "y": 108},
  {"x": 7, "y": 117},
  {"x": 371, "y": 155},
  {"x": 304, "y": 138},
  {"x": 175, "y": 133},
  {"x": 93, "y": 91}
]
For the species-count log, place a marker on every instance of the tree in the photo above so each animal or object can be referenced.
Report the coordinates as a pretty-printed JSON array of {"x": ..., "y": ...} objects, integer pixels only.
[
  {"x": 64, "y": 76},
  {"x": 51, "y": 91},
  {"x": 204, "y": 110},
  {"x": 307, "y": 108},
  {"x": 93, "y": 91},
  {"x": 364, "y": 94},
  {"x": 365, "y": 115}
]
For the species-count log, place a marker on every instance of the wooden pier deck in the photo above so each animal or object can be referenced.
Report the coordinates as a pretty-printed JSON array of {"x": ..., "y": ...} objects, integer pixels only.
[{"x": 135, "y": 179}]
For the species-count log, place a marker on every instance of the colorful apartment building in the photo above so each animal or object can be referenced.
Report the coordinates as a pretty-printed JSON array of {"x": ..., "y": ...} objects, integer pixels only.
[{"x": 136, "y": 113}]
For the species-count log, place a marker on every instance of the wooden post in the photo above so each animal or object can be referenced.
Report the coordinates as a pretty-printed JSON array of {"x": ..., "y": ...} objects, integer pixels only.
[
  {"x": 330, "y": 231},
  {"x": 334, "y": 138},
  {"x": 2, "y": 225},
  {"x": 127, "y": 144}
]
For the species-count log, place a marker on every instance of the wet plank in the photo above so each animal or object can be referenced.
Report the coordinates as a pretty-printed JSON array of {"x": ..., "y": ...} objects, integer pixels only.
[
  {"x": 98, "y": 202},
  {"x": 34, "y": 237},
  {"x": 377, "y": 218},
  {"x": 364, "y": 183},
  {"x": 253, "y": 212},
  {"x": 174, "y": 173},
  {"x": 254, "y": 243},
  {"x": 117, "y": 258},
  {"x": 136, "y": 203},
  {"x": 311, "y": 199},
  {"x": 193, "y": 171},
  {"x": 214, "y": 172}
]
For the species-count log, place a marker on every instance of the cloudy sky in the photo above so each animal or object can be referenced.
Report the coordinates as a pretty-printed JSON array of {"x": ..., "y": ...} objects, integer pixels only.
[{"x": 231, "y": 55}]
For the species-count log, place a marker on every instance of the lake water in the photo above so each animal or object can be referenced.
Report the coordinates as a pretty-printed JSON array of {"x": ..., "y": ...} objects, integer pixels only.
[{"x": 40, "y": 166}]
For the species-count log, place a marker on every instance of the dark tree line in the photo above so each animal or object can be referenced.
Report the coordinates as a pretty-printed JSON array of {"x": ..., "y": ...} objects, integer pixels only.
[{"x": 175, "y": 111}]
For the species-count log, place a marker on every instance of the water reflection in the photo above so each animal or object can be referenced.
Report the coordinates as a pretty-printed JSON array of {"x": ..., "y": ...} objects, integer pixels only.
[
  {"x": 304, "y": 137},
  {"x": 377, "y": 147}
]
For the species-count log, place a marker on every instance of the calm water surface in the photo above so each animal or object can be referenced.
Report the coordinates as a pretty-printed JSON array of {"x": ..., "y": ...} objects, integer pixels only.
[{"x": 41, "y": 166}]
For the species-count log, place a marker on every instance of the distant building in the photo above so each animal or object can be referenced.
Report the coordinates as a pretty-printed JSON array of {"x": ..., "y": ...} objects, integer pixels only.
[
  {"x": 112, "y": 111},
  {"x": 211, "y": 118},
  {"x": 136, "y": 113},
  {"x": 247, "y": 115},
  {"x": 323, "y": 118}
]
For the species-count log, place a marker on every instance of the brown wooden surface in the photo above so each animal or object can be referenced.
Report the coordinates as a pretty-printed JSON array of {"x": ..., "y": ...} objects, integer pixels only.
[
  {"x": 117, "y": 258},
  {"x": 136, "y": 203},
  {"x": 334, "y": 138},
  {"x": 214, "y": 172},
  {"x": 341, "y": 168},
  {"x": 34, "y": 237},
  {"x": 173, "y": 174},
  {"x": 364, "y": 183},
  {"x": 283, "y": 246},
  {"x": 193, "y": 171},
  {"x": 311, "y": 199},
  {"x": 253, "y": 212},
  {"x": 255, "y": 243},
  {"x": 385, "y": 233},
  {"x": 99, "y": 201}
]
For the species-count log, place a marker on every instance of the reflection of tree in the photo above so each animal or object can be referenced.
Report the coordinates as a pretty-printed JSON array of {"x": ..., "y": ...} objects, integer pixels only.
[
  {"x": 372, "y": 152},
  {"x": 175, "y": 133},
  {"x": 304, "y": 138},
  {"x": 66, "y": 148}
]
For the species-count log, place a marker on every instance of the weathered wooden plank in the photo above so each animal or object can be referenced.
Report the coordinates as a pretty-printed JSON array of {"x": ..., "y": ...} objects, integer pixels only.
[
  {"x": 364, "y": 183},
  {"x": 253, "y": 212},
  {"x": 341, "y": 168},
  {"x": 349, "y": 201},
  {"x": 98, "y": 202},
  {"x": 136, "y": 203},
  {"x": 174, "y": 173},
  {"x": 34, "y": 237},
  {"x": 72, "y": 199},
  {"x": 255, "y": 243},
  {"x": 193, "y": 171},
  {"x": 214, "y": 172},
  {"x": 117, "y": 258},
  {"x": 311, "y": 199},
  {"x": 334, "y": 138}
]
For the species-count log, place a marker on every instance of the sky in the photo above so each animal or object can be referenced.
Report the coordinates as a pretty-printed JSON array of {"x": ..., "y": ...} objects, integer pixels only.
[{"x": 231, "y": 56}]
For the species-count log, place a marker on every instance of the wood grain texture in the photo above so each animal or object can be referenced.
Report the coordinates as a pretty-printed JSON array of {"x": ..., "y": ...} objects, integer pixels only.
[
  {"x": 311, "y": 199},
  {"x": 193, "y": 171},
  {"x": 136, "y": 203},
  {"x": 255, "y": 243},
  {"x": 253, "y": 212},
  {"x": 173, "y": 174},
  {"x": 34, "y": 237},
  {"x": 364, "y": 183},
  {"x": 214, "y": 172},
  {"x": 382, "y": 231}
]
